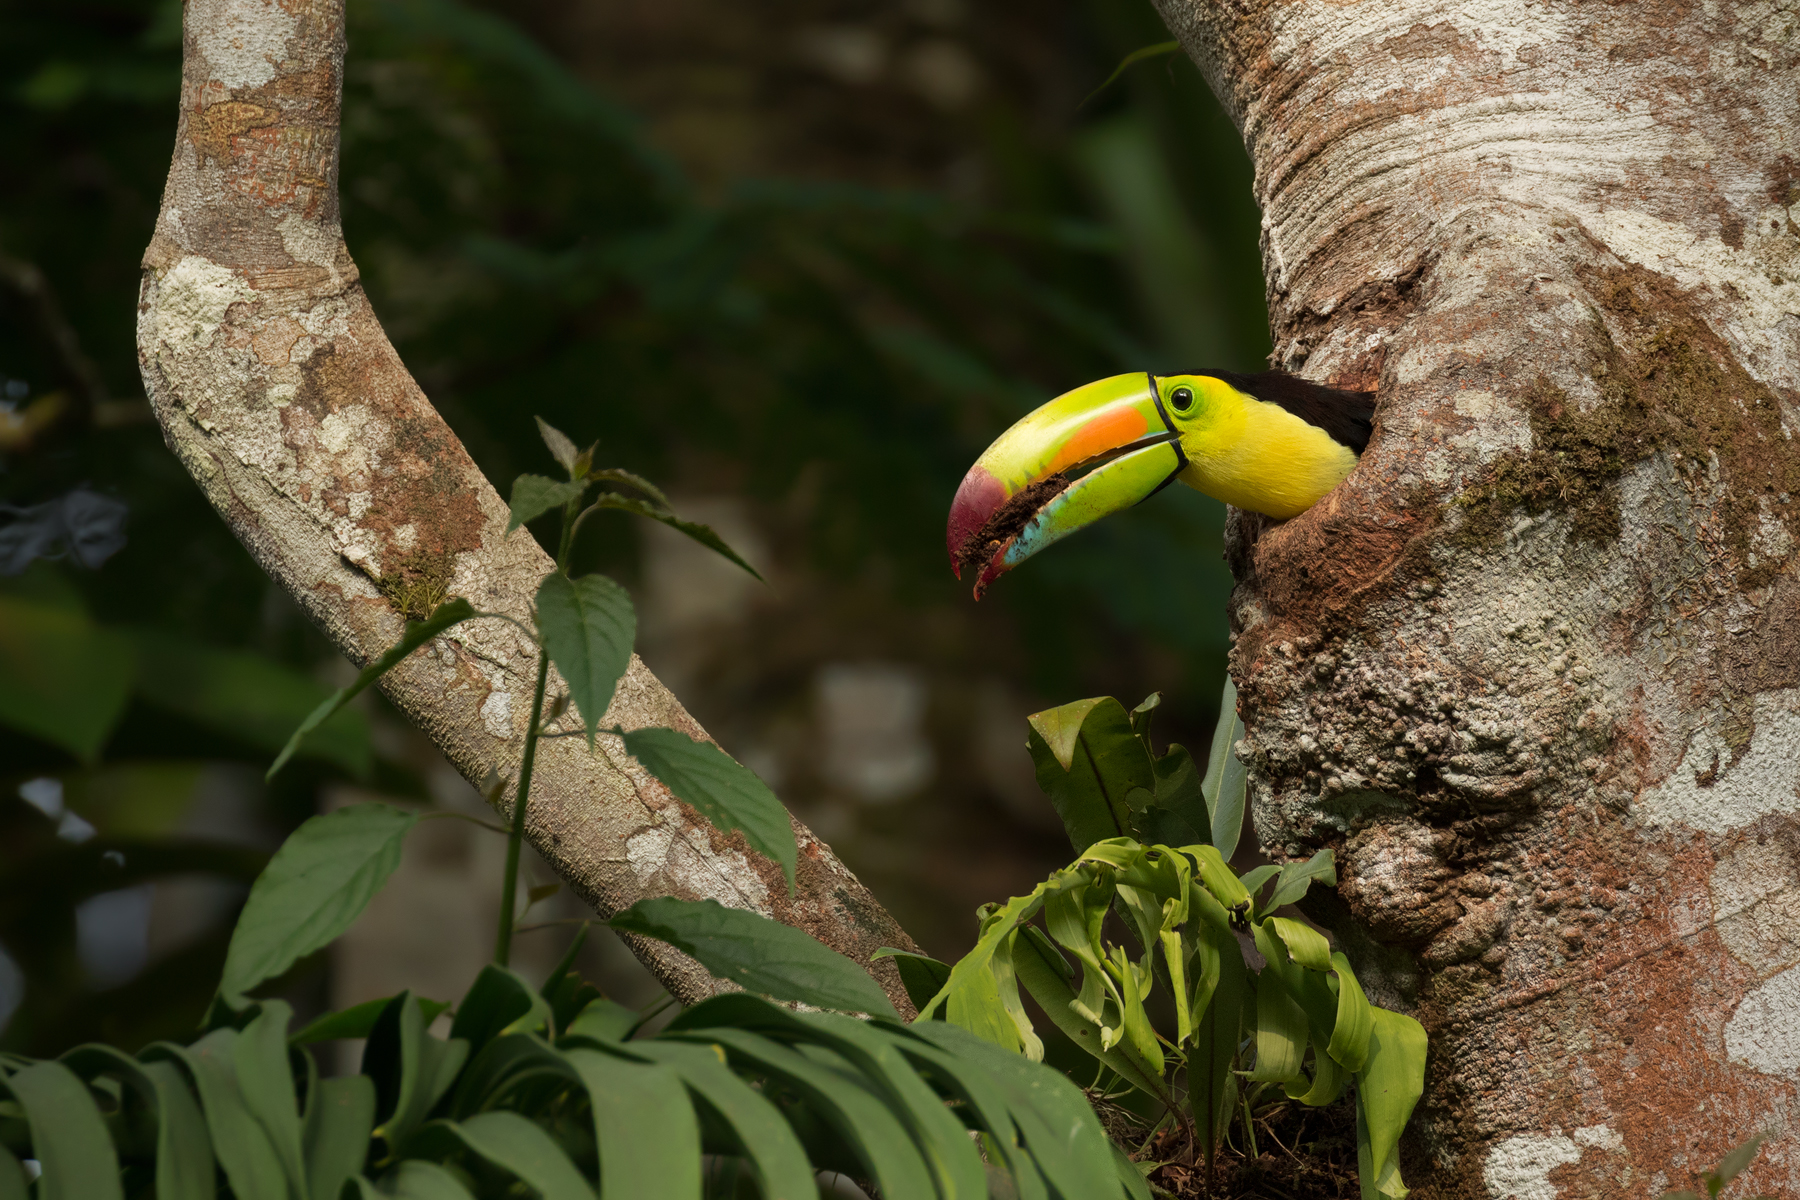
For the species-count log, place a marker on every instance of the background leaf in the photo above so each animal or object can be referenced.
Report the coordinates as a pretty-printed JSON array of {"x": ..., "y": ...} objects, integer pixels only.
[
  {"x": 587, "y": 626},
  {"x": 756, "y": 953},
  {"x": 62, "y": 677},
  {"x": 703, "y": 534},
  {"x": 1226, "y": 777},
  {"x": 320, "y": 881},
  {"x": 721, "y": 789},
  {"x": 68, "y": 1137}
]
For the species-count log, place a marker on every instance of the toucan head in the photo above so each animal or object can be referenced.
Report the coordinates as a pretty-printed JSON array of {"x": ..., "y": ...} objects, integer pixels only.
[{"x": 1090, "y": 452}]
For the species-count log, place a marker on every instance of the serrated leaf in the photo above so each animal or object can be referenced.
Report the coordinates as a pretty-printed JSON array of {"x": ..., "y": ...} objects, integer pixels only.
[
  {"x": 719, "y": 788},
  {"x": 451, "y": 612},
  {"x": 317, "y": 884},
  {"x": 756, "y": 953},
  {"x": 616, "y": 475},
  {"x": 587, "y": 626},
  {"x": 535, "y": 495},
  {"x": 1226, "y": 777},
  {"x": 68, "y": 1136},
  {"x": 703, "y": 534},
  {"x": 561, "y": 448}
]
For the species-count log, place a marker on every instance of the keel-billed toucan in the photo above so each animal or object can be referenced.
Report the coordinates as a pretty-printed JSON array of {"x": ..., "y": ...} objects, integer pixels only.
[{"x": 1272, "y": 443}]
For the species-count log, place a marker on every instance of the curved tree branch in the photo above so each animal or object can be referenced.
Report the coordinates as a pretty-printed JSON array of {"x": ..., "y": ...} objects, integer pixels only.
[{"x": 280, "y": 393}]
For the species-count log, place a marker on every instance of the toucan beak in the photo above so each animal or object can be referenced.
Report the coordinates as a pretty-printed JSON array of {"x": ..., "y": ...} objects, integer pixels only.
[{"x": 1090, "y": 452}]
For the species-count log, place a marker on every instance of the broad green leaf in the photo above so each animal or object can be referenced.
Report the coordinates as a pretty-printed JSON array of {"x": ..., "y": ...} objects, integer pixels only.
[
  {"x": 184, "y": 1157},
  {"x": 450, "y": 612},
  {"x": 604, "y": 1020},
  {"x": 975, "y": 1004},
  {"x": 68, "y": 1135},
  {"x": 340, "y": 1114},
  {"x": 265, "y": 1080},
  {"x": 1255, "y": 877},
  {"x": 561, "y": 448},
  {"x": 504, "y": 1071},
  {"x": 587, "y": 626},
  {"x": 358, "y": 1020},
  {"x": 1305, "y": 945},
  {"x": 719, "y": 788},
  {"x": 864, "y": 1124},
  {"x": 1733, "y": 1164},
  {"x": 317, "y": 884},
  {"x": 1297, "y": 877},
  {"x": 762, "y": 1135},
  {"x": 1281, "y": 1034},
  {"x": 12, "y": 1177},
  {"x": 756, "y": 953},
  {"x": 1141, "y": 717},
  {"x": 922, "y": 977},
  {"x": 535, "y": 495},
  {"x": 1216, "y": 877},
  {"x": 250, "y": 1160},
  {"x": 412, "y": 1179},
  {"x": 1326, "y": 1085},
  {"x": 644, "y": 1127},
  {"x": 971, "y": 969},
  {"x": 510, "y": 1142},
  {"x": 1088, "y": 761},
  {"x": 412, "y": 1070},
  {"x": 62, "y": 678},
  {"x": 1180, "y": 816},
  {"x": 499, "y": 1002},
  {"x": 248, "y": 697},
  {"x": 1212, "y": 1087},
  {"x": 1388, "y": 1087},
  {"x": 1226, "y": 777},
  {"x": 1131, "y": 1180},
  {"x": 984, "y": 1097},
  {"x": 1355, "y": 1019},
  {"x": 703, "y": 534}
]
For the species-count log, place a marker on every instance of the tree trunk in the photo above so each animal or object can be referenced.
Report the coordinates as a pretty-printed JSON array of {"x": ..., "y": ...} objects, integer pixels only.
[
  {"x": 277, "y": 388},
  {"x": 1534, "y": 669}
]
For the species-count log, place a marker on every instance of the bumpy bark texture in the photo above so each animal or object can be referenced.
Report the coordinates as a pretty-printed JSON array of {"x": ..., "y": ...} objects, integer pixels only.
[
  {"x": 279, "y": 391},
  {"x": 1534, "y": 669}
]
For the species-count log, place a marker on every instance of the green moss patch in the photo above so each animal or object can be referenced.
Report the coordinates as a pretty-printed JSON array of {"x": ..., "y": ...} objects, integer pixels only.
[{"x": 417, "y": 584}]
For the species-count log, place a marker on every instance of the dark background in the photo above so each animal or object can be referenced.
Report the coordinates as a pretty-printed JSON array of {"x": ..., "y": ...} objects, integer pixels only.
[{"x": 798, "y": 261}]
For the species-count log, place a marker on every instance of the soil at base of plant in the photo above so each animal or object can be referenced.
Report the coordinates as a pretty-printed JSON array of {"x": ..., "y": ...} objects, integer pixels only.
[{"x": 1305, "y": 1154}]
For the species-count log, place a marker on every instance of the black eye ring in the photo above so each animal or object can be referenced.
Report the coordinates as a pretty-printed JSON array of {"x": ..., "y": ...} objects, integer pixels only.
[{"x": 1182, "y": 398}]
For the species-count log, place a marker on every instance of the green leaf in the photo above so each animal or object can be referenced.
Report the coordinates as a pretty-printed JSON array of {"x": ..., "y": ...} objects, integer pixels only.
[
  {"x": 535, "y": 495},
  {"x": 506, "y": 1073},
  {"x": 922, "y": 977},
  {"x": 644, "y": 1127},
  {"x": 184, "y": 1158},
  {"x": 1281, "y": 1033},
  {"x": 1355, "y": 1019},
  {"x": 861, "y": 1121},
  {"x": 250, "y": 1160},
  {"x": 1297, "y": 877},
  {"x": 1043, "y": 972},
  {"x": 1088, "y": 761},
  {"x": 1733, "y": 1164},
  {"x": 340, "y": 1115},
  {"x": 412, "y": 1179},
  {"x": 1305, "y": 945},
  {"x": 755, "y": 1126},
  {"x": 720, "y": 789},
  {"x": 700, "y": 533},
  {"x": 317, "y": 884},
  {"x": 1388, "y": 1087},
  {"x": 248, "y": 697},
  {"x": 562, "y": 449},
  {"x": 604, "y": 1020},
  {"x": 1255, "y": 877},
  {"x": 587, "y": 626},
  {"x": 62, "y": 678},
  {"x": 756, "y": 953},
  {"x": 1218, "y": 1025},
  {"x": 265, "y": 1081},
  {"x": 1180, "y": 816},
  {"x": 358, "y": 1021},
  {"x": 567, "y": 992},
  {"x": 412, "y": 1070},
  {"x": 616, "y": 475},
  {"x": 1131, "y": 1180},
  {"x": 450, "y": 612},
  {"x": 68, "y": 1135},
  {"x": 510, "y": 1142},
  {"x": 1226, "y": 777},
  {"x": 12, "y": 1177},
  {"x": 499, "y": 1002}
]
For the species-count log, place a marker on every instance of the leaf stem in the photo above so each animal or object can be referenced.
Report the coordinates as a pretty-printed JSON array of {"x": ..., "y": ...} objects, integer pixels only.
[{"x": 509, "y": 885}]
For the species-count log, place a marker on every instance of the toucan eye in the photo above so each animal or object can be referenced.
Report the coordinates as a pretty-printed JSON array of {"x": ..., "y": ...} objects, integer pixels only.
[{"x": 1182, "y": 398}]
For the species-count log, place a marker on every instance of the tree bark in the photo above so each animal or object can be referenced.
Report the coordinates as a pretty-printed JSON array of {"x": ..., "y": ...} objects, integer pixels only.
[
  {"x": 1534, "y": 668},
  {"x": 280, "y": 393}
]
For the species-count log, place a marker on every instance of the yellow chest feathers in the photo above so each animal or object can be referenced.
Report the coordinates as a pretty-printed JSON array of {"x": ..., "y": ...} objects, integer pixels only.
[{"x": 1256, "y": 455}]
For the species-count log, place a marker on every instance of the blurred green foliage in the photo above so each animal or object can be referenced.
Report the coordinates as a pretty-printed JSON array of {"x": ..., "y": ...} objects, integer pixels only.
[{"x": 836, "y": 351}]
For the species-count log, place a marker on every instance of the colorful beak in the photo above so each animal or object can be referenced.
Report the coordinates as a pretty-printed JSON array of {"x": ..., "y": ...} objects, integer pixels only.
[{"x": 1090, "y": 452}]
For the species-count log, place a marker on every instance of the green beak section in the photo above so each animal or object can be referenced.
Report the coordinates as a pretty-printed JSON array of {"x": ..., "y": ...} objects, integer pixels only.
[{"x": 1085, "y": 454}]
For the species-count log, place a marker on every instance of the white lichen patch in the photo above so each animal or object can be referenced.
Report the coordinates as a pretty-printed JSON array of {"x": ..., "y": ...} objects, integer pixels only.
[
  {"x": 496, "y": 714},
  {"x": 191, "y": 302},
  {"x": 243, "y": 41},
  {"x": 1518, "y": 1167},
  {"x": 1502, "y": 27},
  {"x": 1764, "y": 1033},
  {"x": 1756, "y": 906},
  {"x": 1709, "y": 792}
]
